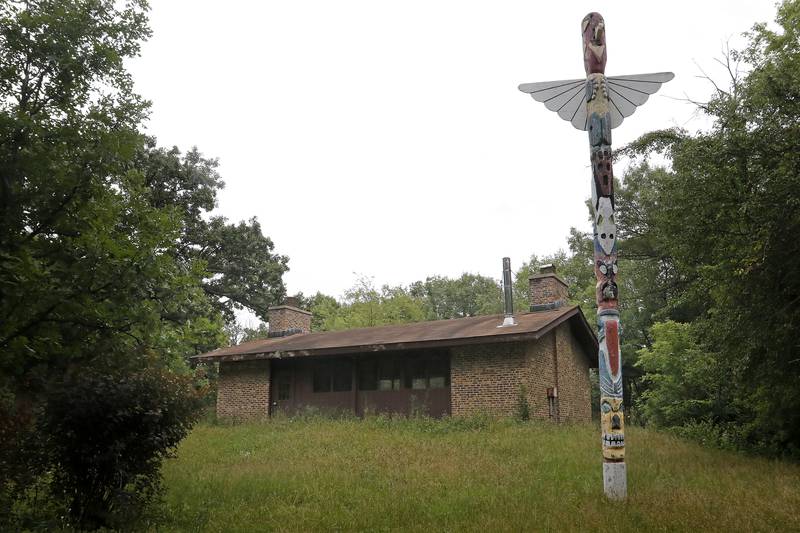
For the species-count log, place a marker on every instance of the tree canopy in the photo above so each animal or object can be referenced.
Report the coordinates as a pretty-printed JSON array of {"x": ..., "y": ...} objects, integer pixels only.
[
  {"x": 716, "y": 233},
  {"x": 110, "y": 262}
]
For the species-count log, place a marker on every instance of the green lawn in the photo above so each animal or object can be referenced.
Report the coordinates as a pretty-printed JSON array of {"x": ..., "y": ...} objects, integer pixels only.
[{"x": 472, "y": 475}]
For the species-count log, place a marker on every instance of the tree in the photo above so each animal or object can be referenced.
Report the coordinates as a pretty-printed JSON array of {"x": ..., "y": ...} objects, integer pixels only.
[
  {"x": 719, "y": 228},
  {"x": 243, "y": 271},
  {"x": 467, "y": 295},
  {"x": 363, "y": 306},
  {"x": 685, "y": 381},
  {"x": 107, "y": 266}
]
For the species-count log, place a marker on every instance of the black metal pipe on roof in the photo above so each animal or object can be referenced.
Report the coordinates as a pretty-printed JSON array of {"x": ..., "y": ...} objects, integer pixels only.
[{"x": 507, "y": 287}]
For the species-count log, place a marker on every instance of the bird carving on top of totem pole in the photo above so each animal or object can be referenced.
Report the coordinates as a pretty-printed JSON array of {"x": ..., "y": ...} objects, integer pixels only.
[
  {"x": 623, "y": 93},
  {"x": 597, "y": 104}
]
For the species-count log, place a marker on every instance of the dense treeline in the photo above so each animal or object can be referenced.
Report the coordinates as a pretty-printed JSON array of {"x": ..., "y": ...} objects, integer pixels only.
[{"x": 715, "y": 238}]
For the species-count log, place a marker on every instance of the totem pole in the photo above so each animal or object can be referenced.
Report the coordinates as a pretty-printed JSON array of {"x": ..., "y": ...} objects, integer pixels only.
[{"x": 597, "y": 104}]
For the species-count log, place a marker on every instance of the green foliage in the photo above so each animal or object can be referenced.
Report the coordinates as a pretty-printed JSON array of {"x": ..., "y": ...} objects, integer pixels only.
[
  {"x": 522, "y": 409},
  {"x": 441, "y": 298},
  {"x": 717, "y": 232},
  {"x": 467, "y": 295},
  {"x": 363, "y": 305},
  {"x": 237, "y": 333},
  {"x": 685, "y": 383},
  {"x": 241, "y": 269},
  {"x": 108, "y": 435},
  {"x": 108, "y": 263}
]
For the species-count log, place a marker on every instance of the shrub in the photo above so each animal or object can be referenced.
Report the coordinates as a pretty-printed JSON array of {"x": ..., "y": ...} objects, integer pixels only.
[
  {"x": 108, "y": 435},
  {"x": 522, "y": 410}
]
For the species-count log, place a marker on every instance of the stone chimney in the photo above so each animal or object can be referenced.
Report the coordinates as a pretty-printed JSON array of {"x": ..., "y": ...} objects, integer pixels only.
[
  {"x": 288, "y": 319},
  {"x": 547, "y": 290}
]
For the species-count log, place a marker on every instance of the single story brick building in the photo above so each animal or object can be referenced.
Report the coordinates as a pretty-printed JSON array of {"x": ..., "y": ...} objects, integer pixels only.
[{"x": 444, "y": 367}]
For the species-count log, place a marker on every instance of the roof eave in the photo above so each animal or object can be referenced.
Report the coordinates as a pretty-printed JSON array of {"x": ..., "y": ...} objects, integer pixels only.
[
  {"x": 368, "y": 348},
  {"x": 585, "y": 331}
]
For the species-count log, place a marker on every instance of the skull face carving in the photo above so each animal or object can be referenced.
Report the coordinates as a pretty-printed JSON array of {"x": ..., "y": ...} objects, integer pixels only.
[
  {"x": 612, "y": 420},
  {"x": 606, "y": 273},
  {"x": 608, "y": 268},
  {"x": 605, "y": 226}
]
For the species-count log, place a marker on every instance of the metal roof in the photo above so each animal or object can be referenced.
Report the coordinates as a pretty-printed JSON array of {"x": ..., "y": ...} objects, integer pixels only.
[{"x": 438, "y": 333}]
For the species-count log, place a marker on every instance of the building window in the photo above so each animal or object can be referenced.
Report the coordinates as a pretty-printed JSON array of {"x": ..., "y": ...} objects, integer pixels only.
[
  {"x": 333, "y": 376},
  {"x": 416, "y": 374},
  {"x": 427, "y": 372},
  {"x": 284, "y": 390},
  {"x": 322, "y": 378},
  {"x": 388, "y": 374},
  {"x": 342, "y": 378},
  {"x": 367, "y": 374},
  {"x": 439, "y": 372},
  {"x": 416, "y": 371}
]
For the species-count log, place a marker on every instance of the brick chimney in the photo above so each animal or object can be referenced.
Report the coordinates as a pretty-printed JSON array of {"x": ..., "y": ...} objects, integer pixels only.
[
  {"x": 547, "y": 290},
  {"x": 288, "y": 319}
]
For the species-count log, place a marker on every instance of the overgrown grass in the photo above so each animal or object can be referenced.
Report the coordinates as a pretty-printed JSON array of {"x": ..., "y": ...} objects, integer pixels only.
[{"x": 471, "y": 475}]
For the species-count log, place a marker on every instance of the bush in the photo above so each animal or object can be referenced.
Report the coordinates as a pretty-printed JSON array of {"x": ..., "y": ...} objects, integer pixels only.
[
  {"x": 107, "y": 435},
  {"x": 725, "y": 436},
  {"x": 21, "y": 463},
  {"x": 522, "y": 410}
]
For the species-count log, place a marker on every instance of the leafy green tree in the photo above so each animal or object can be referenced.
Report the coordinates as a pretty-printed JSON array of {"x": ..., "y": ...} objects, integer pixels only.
[
  {"x": 238, "y": 333},
  {"x": 467, "y": 295},
  {"x": 242, "y": 269},
  {"x": 719, "y": 228},
  {"x": 364, "y": 306},
  {"x": 324, "y": 310},
  {"x": 107, "y": 265},
  {"x": 685, "y": 381}
]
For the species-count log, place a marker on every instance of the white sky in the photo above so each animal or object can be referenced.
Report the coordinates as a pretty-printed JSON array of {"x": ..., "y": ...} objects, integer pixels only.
[{"x": 389, "y": 138}]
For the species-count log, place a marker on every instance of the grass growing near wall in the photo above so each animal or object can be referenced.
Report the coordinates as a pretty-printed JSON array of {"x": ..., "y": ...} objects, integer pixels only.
[{"x": 472, "y": 475}]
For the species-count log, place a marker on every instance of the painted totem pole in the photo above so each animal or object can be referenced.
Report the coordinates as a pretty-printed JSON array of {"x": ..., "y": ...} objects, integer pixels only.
[{"x": 597, "y": 104}]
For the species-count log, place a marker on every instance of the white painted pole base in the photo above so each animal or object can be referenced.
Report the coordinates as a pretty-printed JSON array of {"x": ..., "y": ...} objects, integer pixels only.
[{"x": 615, "y": 481}]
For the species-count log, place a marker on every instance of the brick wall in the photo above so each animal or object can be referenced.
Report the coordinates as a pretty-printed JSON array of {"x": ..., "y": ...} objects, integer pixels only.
[
  {"x": 542, "y": 368},
  {"x": 487, "y": 377},
  {"x": 284, "y": 318},
  {"x": 574, "y": 395},
  {"x": 243, "y": 390}
]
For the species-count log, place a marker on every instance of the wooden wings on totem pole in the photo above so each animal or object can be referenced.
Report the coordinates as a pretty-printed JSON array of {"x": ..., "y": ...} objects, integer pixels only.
[{"x": 568, "y": 98}]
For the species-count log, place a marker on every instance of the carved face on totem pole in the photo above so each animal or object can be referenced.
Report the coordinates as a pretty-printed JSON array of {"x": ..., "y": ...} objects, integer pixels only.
[
  {"x": 602, "y": 174},
  {"x": 612, "y": 421},
  {"x": 594, "y": 43},
  {"x": 605, "y": 270},
  {"x": 605, "y": 226}
]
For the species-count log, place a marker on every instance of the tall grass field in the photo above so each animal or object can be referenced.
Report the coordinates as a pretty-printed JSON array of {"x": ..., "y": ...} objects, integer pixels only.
[{"x": 463, "y": 475}]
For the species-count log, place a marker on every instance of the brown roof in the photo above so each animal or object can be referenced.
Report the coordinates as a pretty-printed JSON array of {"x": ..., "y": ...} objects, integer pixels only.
[{"x": 438, "y": 333}]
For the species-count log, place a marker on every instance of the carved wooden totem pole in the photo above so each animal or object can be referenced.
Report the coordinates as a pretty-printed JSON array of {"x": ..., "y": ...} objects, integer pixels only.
[{"x": 598, "y": 104}]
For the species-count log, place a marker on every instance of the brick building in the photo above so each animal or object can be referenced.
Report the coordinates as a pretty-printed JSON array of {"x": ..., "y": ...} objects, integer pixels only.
[{"x": 445, "y": 367}]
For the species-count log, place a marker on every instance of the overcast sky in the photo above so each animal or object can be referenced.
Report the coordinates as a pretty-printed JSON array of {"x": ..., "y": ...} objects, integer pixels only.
[{"x": 389, "y": 139}]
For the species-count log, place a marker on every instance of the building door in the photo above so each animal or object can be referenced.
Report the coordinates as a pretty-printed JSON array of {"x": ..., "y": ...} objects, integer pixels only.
[{"x": 283, "y": 395}]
